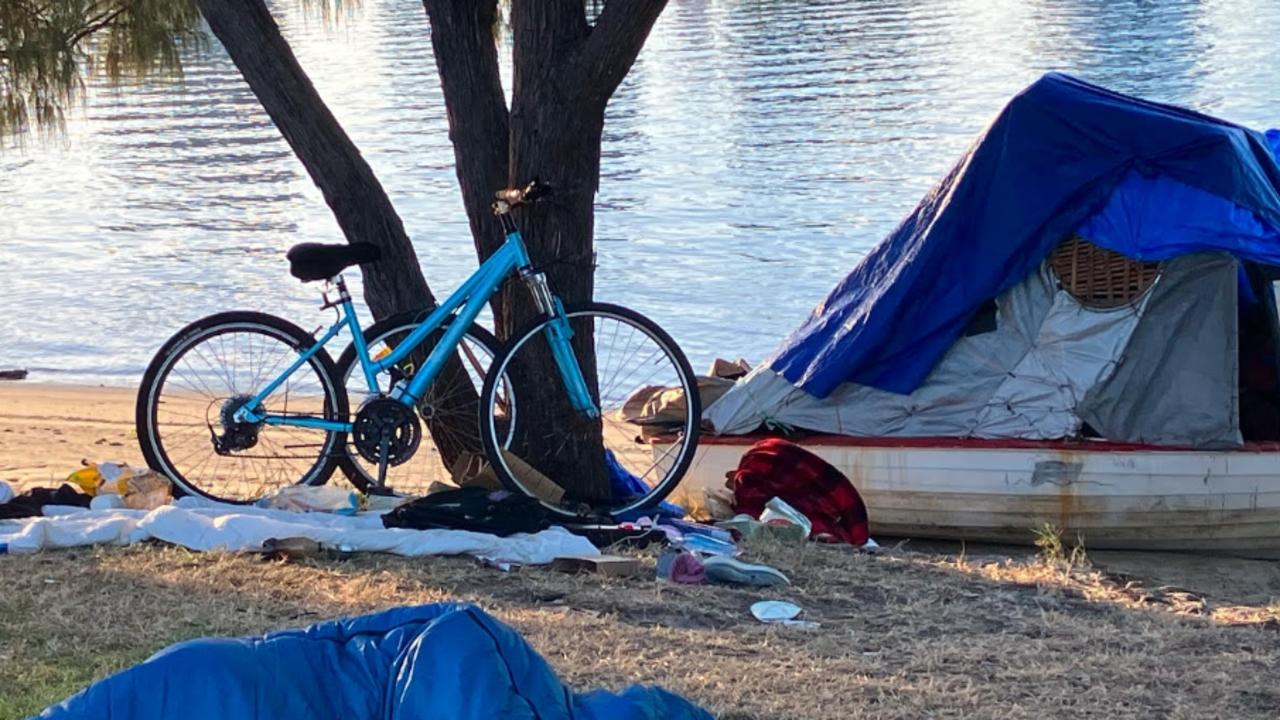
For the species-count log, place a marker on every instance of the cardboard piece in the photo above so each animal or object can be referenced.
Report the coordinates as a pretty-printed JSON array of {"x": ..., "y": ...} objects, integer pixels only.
[
  {"x": 606, "y": 565},
  {"x": 473, "y": 470}
]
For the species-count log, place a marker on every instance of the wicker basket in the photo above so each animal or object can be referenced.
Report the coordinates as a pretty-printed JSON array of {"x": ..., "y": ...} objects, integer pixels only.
[{"x": 1100, "y": 278}]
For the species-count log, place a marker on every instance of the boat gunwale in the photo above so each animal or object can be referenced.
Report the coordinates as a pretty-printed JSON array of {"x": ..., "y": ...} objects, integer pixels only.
[{"x": 954, "y": 443}]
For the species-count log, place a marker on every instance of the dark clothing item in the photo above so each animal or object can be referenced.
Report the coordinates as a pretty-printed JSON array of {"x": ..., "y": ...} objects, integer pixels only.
[
  {"x": 31, "y": 503},
  {"x": 604, "y": 536},
  {"x": 498, "y": 513},
  {"x": 777, "y": 468}
]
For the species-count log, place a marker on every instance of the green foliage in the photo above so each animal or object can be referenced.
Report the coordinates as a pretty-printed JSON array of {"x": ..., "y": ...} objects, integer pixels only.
[
  {"x": 1052, "y": 549},
  {"x": 47, "y": 47}
]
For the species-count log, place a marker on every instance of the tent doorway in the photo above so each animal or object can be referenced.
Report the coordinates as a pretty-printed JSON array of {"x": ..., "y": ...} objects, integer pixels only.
[{"x": 1259, "y": 348}]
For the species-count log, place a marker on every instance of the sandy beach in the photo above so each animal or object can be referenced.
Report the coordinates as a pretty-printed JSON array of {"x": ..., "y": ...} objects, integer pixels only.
[{"x": 47, "y": 430}]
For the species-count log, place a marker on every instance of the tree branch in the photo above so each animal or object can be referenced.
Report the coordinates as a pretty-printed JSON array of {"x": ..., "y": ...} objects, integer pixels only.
[
  {"x": 94, "y": 25},
  {"x": 614, "y": 45},
  {"x": 462, "y": 38}
]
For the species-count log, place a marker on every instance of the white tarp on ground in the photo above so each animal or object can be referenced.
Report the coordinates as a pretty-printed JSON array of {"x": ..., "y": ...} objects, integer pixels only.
[
  {"x": 1043, "y": 370},
  {"x": 203, "y": 526}
]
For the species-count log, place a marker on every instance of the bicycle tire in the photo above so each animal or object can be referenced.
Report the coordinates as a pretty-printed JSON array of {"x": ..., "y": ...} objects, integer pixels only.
[
  {"x": 501, "y": 372},
  {"x": 146, "y": 410}
]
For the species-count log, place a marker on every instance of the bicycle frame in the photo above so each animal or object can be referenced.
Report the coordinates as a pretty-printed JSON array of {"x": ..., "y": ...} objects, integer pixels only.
[{"x": 468, "y": 301}]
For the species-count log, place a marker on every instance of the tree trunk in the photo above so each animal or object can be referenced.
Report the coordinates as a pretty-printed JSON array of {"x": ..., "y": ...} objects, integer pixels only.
[
  {"x": 462, "y": 37},
  {"x": 565, "y": 73},
  {"x": 364, "y": 212},
  {"x": 557, "y": 140}
]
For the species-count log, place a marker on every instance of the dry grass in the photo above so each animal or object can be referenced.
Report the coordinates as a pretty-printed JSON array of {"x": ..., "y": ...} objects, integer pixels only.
[{"x": 904, "y": 635}]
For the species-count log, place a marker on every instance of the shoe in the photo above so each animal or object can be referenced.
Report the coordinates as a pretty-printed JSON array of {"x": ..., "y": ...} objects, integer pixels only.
[
  {"x": 681, "y": 567},
  {"x": 735, "y": 572}
]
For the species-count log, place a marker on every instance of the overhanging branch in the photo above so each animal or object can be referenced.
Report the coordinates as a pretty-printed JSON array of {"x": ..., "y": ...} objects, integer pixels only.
[
  {"x": 613, "y": 46},
  {"x": 466, "y": 53}
]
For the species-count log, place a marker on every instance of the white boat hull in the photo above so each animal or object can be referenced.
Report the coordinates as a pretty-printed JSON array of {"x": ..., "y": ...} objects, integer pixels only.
[{"x": 1121, "y": 497}]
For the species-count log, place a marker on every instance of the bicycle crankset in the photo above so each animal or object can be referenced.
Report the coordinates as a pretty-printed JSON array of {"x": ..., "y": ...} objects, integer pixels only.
[{"x": 386, "y": 432}]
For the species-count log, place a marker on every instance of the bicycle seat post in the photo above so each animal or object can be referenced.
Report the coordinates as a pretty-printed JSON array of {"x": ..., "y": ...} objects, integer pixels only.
[{"x": 339, "y": 284}]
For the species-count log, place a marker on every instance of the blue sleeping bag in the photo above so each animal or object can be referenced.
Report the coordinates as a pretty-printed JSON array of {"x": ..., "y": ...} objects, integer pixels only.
[{"x": 443, "y": 661}]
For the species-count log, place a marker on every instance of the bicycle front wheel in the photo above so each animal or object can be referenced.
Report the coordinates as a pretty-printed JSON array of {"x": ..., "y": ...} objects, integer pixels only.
[
  {"x": 627, "y": 459},
  {"x": 209, "y": 370}
]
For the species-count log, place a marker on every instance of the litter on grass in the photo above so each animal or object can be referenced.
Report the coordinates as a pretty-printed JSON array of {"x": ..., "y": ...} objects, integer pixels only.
[{"x": 780, "y": 612}]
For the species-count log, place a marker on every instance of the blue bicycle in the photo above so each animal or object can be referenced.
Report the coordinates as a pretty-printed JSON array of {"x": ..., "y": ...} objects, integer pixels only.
[{"x": 238, "y": 404}]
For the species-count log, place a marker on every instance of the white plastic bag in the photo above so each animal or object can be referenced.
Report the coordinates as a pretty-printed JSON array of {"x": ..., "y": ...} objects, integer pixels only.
[{"x": 308, "y": 498}]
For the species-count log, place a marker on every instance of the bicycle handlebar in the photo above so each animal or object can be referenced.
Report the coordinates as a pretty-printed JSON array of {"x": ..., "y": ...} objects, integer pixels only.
[{"x": 508, "y": 198}]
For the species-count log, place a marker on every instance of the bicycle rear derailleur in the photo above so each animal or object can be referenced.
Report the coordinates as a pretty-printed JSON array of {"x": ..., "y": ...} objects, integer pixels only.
[{"x": 235, "y": 435}]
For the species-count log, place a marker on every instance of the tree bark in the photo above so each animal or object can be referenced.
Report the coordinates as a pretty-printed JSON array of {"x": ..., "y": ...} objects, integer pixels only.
[{"x": 395, "y": 283}]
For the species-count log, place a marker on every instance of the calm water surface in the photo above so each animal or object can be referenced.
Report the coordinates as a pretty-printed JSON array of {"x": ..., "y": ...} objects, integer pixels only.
[{"x": 756, "y": 151}]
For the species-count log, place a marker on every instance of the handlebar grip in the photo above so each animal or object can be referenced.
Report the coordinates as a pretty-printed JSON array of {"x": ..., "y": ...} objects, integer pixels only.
[{"x": 536, "y": 190}]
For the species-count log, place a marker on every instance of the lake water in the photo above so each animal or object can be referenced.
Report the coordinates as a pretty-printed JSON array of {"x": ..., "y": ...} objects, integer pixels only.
[{"x": 756, "y": 151}]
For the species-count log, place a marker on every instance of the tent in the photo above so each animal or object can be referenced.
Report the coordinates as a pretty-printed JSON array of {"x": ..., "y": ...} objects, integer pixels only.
[
  {"x": 446, "y": 661},
  {"x": 1096, "y": 265}
]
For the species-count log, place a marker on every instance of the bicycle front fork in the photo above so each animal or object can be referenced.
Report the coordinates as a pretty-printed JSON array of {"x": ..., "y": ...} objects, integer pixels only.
[{"x": 559, "y": 334}]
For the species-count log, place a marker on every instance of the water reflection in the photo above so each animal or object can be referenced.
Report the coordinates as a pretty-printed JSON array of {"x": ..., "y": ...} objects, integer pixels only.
[{"x": 756, "y": 151}]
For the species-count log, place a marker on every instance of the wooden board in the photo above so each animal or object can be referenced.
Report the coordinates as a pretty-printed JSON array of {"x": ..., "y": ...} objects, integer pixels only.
[{"x": 607, "y": 565}]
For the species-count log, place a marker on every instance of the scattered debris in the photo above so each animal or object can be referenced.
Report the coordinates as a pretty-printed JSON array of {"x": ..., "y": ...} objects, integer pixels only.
[
  {"x": 498, "y": 564},
  {"x": 313, "y": 498},
  {"x": 780, "y": 612},
  {"x": 293, "y": 549},
  {"x": 138, "y": 489},
  {"x": 606, "y": 565},
  {"x": 778, "y": 513},
  {"x": 290, "y": 549},
  {"x": 735, "y": 572},
  {"x": 682, "y": 567}
]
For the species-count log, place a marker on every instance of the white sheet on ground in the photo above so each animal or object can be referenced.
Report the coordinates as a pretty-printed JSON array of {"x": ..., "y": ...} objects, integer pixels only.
[{"x": 243, "y": 529}]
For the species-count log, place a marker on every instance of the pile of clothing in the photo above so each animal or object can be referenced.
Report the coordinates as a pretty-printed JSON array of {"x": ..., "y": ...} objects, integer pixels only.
[{"x": 112, "y": 504}]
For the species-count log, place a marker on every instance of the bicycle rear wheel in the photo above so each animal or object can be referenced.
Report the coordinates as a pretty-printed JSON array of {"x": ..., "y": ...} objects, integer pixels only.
[
  {"x": 646, "y": 434},
  {"x": 210, "y": 369}
]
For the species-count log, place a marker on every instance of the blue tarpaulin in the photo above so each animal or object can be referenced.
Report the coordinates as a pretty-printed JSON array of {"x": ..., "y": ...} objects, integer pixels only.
[
  {"x": 1147, "y": 180},
  {"x": 445, "y": 662}
]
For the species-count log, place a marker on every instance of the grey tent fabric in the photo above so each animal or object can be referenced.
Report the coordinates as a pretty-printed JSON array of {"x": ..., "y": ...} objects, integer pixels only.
[
  {"x": 1135, "y": 373},
  {"x": 1177, "y": 383},
  {"x": 1071, "y": 349},
  {"x": 945, "y": 404},
  {"x": 1023, "y": 379}
]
